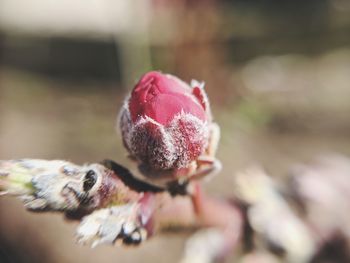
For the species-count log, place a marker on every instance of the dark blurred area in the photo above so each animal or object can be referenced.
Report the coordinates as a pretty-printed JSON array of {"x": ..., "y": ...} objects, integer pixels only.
[{"x": 277, "y": 73}]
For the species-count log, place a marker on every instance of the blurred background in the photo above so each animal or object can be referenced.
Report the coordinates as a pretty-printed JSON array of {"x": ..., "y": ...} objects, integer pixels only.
[{"x": 277, "y": 73}]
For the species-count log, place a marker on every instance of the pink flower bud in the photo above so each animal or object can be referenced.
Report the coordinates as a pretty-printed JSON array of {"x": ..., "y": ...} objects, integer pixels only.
[{"x": 165, "y": 122}]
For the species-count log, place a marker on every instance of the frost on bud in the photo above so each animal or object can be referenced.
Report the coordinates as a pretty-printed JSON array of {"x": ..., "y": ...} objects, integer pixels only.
[{"x": 165, "y": 122}]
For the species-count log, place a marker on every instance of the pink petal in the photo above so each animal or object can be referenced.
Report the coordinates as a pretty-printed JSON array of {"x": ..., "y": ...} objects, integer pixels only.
[
  {"x": 164, "y": 107},
  {"x": 161, "y": 97}
]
